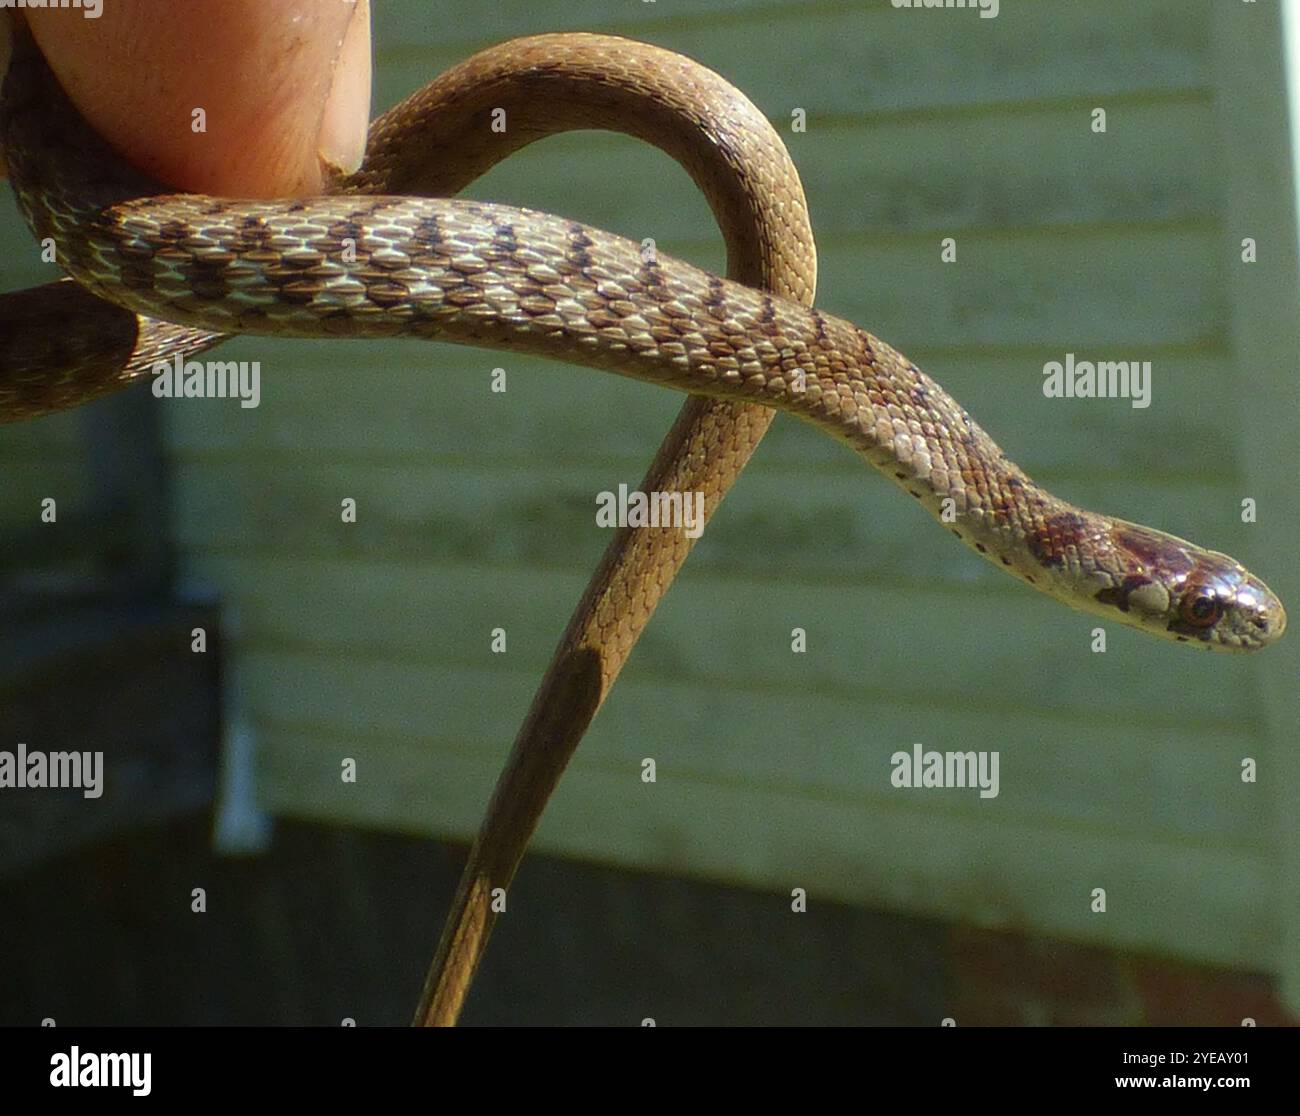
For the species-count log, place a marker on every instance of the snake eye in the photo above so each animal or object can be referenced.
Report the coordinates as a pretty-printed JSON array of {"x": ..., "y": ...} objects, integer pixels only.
[{"x": 1201, "y": 608}]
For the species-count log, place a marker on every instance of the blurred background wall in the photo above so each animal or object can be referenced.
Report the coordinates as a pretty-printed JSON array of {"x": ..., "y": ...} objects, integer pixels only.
[{"x": 372, "y": 641}]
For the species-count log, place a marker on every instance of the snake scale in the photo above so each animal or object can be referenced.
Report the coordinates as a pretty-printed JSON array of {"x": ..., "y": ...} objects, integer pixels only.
[{"x": 360, "y": 264}]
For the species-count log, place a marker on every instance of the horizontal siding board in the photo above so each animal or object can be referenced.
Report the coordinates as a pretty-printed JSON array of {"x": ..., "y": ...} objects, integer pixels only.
[
  {"x": 941, "y": 175},
  {"x": 945, "y": 865},
  {"x": 1093, "y": 780},
  {"x": 1035, "y": 169},
  {"x": 914, "y": 644},
  {"x": 27, "y": 482},
  {"x": 899, "y": 61},
  {"x": 54, "y": 437},
  {"x": 344, "y": 410},
  {"x": 844, "y": 526},
  {"x": 1088, "y": 287}
]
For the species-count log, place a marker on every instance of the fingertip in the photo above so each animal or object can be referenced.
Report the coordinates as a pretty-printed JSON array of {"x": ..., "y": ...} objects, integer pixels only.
[
  {"x": 217, "y": 96},
  {"x": 345, "y": 121}
]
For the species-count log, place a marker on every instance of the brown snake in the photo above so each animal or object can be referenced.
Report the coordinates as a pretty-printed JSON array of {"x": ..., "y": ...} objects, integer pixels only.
[{"x": 480, "y": 274}]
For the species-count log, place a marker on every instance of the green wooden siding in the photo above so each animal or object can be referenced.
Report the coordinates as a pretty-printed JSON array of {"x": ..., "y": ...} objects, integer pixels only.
[{"x": 1119, "y": 770}]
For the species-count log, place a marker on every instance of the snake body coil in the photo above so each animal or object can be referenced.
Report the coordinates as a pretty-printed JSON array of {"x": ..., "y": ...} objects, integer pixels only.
[{"x": 506, "y": 278}]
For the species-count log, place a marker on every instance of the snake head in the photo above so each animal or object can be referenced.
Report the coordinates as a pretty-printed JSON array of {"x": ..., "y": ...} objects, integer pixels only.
[
  {"x": 1178, "y": 590},
  {"x": 1226, "y": 606}
]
